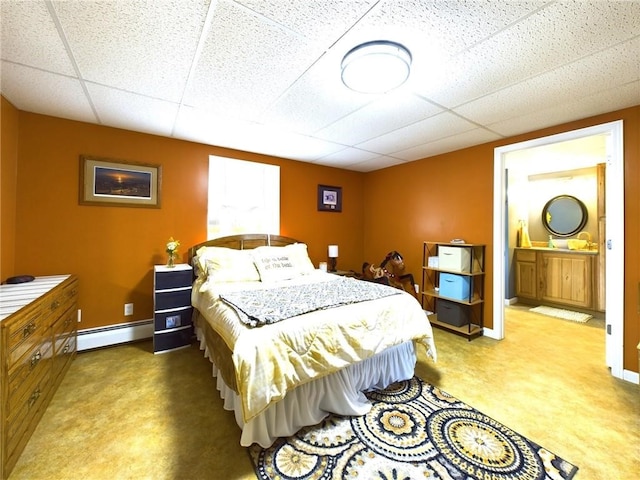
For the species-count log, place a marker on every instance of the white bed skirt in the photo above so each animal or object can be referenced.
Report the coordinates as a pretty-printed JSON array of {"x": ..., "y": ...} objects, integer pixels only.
[{"x": 309, "y": 404}]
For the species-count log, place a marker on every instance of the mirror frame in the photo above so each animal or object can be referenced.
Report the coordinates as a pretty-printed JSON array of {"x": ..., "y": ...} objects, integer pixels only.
[{"x": 579, "y": 225}]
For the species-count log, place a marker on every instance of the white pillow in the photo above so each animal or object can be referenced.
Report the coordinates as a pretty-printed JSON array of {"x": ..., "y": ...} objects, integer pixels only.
[
  {"x": 274, "y": 264},
  {"x": 300, "y": 258},
  {"x": 227, "y": 264}
]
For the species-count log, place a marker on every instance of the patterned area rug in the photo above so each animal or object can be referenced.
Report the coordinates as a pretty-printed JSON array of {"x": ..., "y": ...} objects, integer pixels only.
[
  {"x": 413, "y": 431},
  {"x": 563, "y": 314}
]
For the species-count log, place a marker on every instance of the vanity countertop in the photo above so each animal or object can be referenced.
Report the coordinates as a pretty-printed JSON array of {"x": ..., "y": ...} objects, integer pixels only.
[{"x": 560, "y": 250}]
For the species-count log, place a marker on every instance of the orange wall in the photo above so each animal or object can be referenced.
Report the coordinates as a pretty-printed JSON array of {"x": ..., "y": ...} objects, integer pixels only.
[
  {"x": 451, "y": 196},
  {"x": 8, "y": 176},
  {"x": 113, "y": 249}
]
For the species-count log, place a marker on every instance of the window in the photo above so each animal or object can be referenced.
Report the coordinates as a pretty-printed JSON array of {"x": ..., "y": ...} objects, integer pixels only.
[{"x": 244, "y": 197}]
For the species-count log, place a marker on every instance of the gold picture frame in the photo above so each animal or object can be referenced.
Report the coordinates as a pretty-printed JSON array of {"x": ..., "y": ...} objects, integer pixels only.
[{"x": 119, "y": 183}]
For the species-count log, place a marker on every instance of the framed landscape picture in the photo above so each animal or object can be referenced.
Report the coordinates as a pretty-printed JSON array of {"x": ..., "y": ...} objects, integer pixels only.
[
  {"x": 121, "y": 183},
  {"x": 329, "y": 198}
]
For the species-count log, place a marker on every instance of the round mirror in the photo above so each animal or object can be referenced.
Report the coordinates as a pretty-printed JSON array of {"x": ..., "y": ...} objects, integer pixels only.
[{"x": 564, "y": 215}]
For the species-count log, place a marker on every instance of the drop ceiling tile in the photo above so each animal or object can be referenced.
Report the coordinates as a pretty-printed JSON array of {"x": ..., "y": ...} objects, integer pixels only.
[
  {"x": 615, "y": 66},
  {"x": 617, "y": 98},
  {"x": 317, "y": 99},
  {"x": 445, "y": 28},
  {"x": 347, "y": 156},
  {"x": 142, "y": 47},
  {"x": 388, "y": 113},
  {"x": 442, "y": 125},
  {"x": 45, "y": 93},
  {"x": 204, "y": 126},
  {"x": 561, "y": 33},
  {"x": 374, "y": 164},
  {"x": 29, "y": 37},
  {"x": 247, "y": 63},
  {"x": 211, "y": 128},
  {"x": 324, "y": 21},
  {"x": 117, "y": 108},
  {"x": 477, "y": 136}
]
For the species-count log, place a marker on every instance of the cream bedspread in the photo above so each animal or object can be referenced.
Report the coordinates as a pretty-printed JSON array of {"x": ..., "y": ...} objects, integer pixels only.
[{"x": 273, "y": 359}]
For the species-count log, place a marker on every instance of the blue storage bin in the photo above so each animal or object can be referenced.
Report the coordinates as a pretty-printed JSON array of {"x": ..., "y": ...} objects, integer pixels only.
[{"x": 455, "y": 286}]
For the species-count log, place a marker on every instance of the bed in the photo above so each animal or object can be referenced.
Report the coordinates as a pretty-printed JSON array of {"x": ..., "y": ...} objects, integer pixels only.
[{"x": 290, "y": 344}]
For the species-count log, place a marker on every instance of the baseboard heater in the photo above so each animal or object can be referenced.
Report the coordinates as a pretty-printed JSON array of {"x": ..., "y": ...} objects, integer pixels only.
[{"x": 114, "y": 334}]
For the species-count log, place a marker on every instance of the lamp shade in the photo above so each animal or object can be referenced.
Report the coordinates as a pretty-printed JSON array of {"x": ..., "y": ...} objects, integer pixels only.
[
  {"x": 376, "y": 67},
  {"x": 333, "y": 251}
]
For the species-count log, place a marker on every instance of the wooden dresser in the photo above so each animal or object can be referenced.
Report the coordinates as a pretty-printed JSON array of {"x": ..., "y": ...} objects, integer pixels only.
[{"x": 38, "y": 323}]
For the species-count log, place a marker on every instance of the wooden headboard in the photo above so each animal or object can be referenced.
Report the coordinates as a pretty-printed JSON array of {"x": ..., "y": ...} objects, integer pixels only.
[{"x": 244, "y": 242}]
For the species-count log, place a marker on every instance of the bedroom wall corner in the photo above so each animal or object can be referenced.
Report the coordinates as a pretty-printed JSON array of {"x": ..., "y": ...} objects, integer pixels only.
[
  {"x": 113, "y": 249},
  {"x": 9, "y": 122}
]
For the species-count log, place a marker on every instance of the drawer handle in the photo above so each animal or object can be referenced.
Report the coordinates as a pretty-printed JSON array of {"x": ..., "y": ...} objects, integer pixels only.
[
  {"x": 67, "y": 321},
  {"x": 34, "y": 397},
  {"x": 35, "y": 358},
  {"x": 66, "y": 348},
  {"x": 28, "y": 330},
  {"x": 55, "y": 305}
]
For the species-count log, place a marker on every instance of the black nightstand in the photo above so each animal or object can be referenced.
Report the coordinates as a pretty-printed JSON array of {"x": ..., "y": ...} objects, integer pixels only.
[{"x": 172, "y": 307}]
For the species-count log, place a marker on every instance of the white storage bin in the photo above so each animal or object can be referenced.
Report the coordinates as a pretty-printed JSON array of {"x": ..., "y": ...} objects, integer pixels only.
[{"x": 455, "y": 259}]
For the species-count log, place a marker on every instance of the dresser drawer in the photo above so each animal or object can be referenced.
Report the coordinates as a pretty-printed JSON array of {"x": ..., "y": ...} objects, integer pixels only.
[
  {"x": 25, "y": 406},
  {"x": 173, "y": 279},
  {"x": 174, "y": 319},
  {"x": 66, "y": 350},
  {"x": 65, "y": 325},
  {"x": 62, "y": 300},
  {"x": 26, "y": 333},
  {"x": 25, "y": 420},
  {"x": 27, "y": 372},
  {"x": 172, "y": 299},
  {"x": 172, "y": 340}
]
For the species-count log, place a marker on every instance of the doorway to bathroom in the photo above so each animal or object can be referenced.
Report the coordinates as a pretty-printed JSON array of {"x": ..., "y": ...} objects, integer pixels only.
[{"x": 611, "y": 238}]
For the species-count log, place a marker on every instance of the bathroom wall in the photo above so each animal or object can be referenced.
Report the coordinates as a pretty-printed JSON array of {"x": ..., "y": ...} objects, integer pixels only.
[{"x": 581, "y": 183}]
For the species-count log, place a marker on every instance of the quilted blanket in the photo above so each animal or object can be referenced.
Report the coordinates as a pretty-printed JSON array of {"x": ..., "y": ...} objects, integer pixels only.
[{"x": 262, "y": 307}]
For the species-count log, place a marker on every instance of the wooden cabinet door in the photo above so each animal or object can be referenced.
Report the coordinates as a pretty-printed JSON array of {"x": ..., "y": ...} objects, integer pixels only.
[
  {"x": 526, "y": 280},
  {"x": 566, "y": 279}
]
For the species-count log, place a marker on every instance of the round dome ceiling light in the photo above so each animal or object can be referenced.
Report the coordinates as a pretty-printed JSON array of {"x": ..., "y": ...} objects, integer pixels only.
[{"x": 376, "y": 67}]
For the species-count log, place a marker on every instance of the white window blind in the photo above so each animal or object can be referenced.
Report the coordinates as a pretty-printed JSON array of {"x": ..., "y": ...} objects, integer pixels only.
[{"x": 244, "y": 197}]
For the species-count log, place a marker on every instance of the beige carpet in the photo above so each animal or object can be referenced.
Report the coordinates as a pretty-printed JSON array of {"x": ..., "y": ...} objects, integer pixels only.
[{"x": 124, "y": 413}]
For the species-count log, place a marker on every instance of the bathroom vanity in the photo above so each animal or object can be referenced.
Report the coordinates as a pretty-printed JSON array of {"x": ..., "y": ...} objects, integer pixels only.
[{"x": 557, "y": 276}]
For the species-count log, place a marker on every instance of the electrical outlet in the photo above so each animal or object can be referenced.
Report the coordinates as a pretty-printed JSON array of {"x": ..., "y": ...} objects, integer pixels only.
[{"x": 128, "y": 309}]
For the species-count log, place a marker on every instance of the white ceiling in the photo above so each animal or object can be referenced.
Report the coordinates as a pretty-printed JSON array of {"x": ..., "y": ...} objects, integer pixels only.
[{"x": 264, "y": 75}]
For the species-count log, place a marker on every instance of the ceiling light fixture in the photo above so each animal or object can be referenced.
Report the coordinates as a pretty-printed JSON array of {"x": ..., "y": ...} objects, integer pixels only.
[{"x": 376, "y": 67}]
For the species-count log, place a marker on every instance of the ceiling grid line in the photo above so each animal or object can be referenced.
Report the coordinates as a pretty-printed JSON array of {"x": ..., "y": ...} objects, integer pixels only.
[{"x": 68, "y": 49}]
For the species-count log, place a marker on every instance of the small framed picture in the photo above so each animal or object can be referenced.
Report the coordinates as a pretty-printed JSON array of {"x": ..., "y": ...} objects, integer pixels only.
[
  {"x": 329, "y": 198},
  {"x": 110, "y": 182}
]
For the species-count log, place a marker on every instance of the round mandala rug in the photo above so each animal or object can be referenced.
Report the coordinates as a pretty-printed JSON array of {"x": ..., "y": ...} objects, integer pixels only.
[
  {"x": 413, "y": 430},
  {"x": 482, "y": 447}
]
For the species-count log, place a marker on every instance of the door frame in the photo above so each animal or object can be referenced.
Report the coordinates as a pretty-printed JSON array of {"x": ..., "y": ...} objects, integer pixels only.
[{"x": 614, "y": 198}]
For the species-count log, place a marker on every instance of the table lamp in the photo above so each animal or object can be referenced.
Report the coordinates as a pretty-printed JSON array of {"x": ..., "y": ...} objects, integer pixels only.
[{"x": 333, "y": 256}]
